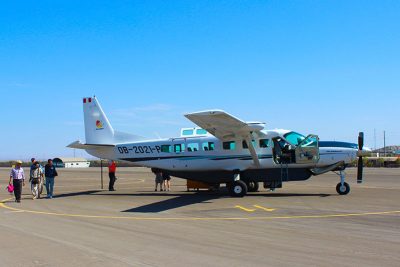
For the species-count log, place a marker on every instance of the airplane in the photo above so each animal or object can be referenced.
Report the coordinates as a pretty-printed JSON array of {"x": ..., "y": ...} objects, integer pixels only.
[{"x": 223, "y": 149}]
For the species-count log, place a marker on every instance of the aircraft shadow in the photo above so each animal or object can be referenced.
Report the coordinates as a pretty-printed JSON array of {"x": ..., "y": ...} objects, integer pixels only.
[
  {"x": 180, "y": 200},
  {"x": 74, "y": 194},
  {"x": 183, "y": 199}
]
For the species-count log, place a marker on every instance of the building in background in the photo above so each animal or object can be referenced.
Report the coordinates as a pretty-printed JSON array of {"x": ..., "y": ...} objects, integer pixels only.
[{"x": 71, "y": 163}]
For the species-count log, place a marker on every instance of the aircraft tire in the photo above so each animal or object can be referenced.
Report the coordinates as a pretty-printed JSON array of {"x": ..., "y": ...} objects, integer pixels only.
[
  {"x": 252, "y": 186},
  {"x": 238, "y": 189},
  {"x": 343, "y": 190}
]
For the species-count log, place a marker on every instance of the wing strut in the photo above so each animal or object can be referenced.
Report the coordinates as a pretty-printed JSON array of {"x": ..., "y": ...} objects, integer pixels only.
[{"x": 253, "y": 151}]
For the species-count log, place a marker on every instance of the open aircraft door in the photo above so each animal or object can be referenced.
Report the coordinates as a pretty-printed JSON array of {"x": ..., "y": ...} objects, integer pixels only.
[{"x": 308, "y": 150}]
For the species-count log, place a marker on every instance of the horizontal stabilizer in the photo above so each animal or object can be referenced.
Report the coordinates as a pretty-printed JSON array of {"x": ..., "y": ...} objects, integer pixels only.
[{"x": 79, "y": 145}]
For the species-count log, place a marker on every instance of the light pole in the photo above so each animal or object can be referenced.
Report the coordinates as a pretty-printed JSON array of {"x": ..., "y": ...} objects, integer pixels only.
[
  {"x": 101, "y": 171},
  {"x": 384, "y": 143}
]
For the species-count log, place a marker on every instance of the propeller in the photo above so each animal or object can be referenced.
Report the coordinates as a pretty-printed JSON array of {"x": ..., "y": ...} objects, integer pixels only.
[{"x": 360, "y": 158}]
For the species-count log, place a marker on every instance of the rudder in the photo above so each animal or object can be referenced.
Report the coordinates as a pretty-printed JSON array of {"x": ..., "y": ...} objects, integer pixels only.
[{"x": 98, "y": 129}]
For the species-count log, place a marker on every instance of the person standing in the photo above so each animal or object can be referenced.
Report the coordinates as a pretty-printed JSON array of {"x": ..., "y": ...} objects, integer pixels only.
[
  {"x": 36, "y": 179},
  {"x": 17, "y": 178},
  {"x": 33, "y": 160},
  {"x": 159, "y": 178},
  {"x": 112, "y": 168},
  {"x": 50, "y": 172},
  {"x": 167, "y": 181}
]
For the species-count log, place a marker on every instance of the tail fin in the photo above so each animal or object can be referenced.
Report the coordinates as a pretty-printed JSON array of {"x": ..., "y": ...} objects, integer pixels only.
[{"x": 98, "y": 129}]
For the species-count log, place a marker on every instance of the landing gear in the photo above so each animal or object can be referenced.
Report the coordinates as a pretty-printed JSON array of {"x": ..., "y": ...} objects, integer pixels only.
[
  {"x": 252, "y": 186},
  {"x": 342, "y": 188},
  {"x": 238, "y": 188}
]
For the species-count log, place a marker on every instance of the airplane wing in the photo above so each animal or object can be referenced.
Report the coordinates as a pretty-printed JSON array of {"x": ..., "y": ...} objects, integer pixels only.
[{"x": 225, "y": 126}]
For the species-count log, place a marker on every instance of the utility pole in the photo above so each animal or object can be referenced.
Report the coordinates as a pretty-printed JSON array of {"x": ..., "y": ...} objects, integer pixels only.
[
  {"x": 384, "y": 143},
  {"x": 374, "y": 139},
  {"x": 101, "y": 171}
]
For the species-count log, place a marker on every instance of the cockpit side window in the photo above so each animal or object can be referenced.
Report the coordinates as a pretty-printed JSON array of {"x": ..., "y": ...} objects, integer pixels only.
[{"x": 294, "y": 138}]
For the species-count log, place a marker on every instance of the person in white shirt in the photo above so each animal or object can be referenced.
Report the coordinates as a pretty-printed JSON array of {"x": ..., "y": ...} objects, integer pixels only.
[{"x": 17, "y": 178}]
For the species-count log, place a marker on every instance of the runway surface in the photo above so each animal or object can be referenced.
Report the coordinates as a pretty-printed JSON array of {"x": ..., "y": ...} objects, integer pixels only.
[{"x": 303, "y": 224}]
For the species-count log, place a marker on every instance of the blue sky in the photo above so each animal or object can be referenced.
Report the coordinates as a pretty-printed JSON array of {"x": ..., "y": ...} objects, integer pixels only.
[{"x": 325, "y": 67}]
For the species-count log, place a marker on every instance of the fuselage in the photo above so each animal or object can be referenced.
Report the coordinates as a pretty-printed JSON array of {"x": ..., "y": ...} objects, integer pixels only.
[{"x": 209, "y": 153}]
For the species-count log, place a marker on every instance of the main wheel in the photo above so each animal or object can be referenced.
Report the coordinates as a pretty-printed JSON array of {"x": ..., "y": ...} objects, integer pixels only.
[
  {"x": 343, "y": 189},
  {"x": 238, "y": 189},
  {"x": 252, "y": 186}
]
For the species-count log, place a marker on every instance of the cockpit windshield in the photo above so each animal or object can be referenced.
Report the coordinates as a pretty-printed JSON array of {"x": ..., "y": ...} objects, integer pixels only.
[{"x": 294, "y": 138}]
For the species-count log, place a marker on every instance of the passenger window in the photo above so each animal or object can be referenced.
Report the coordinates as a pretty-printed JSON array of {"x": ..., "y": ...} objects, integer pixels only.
[
  {"x": 201, "y": 132},
  {"x": 208, "y": 146},
  {"x": 178, "y": 148},
  {"x": 211, "y": 145},
  {"x": 245, "y": 146},
  {"x": 166, "y": 148},
  {"x": 229, "y": 145},
  {"x": 192, "y": 147},
  {"x": 187, "y": 132},
  {"x": 264, "y": 143}
]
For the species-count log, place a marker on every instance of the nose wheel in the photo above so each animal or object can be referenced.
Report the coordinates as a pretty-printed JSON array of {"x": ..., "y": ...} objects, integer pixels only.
[{"x": 342, "y": 188}]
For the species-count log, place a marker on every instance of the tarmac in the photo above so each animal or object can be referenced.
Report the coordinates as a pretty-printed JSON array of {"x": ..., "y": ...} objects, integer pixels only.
[{"x": 303, "y": 224}]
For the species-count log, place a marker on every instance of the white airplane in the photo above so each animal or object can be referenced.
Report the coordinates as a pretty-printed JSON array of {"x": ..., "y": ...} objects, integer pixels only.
[{"x": 224, "y": 150}]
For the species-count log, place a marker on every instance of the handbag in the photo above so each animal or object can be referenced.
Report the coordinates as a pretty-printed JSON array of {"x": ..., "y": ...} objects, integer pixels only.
[{"x": 10, "y": 188}]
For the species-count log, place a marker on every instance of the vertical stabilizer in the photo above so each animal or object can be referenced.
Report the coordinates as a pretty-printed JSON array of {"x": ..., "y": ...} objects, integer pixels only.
[{"x": 98, "y": 129}]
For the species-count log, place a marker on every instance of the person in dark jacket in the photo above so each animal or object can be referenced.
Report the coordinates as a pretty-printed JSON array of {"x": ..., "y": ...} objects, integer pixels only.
[{"x": 50, "y": 172}]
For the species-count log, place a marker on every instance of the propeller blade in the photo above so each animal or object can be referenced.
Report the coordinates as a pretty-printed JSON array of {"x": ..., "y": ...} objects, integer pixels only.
[
  {"x": 360, "y": 166},
  {"x": 360, "y": 170},
  {"x": 360, "y": 141}
]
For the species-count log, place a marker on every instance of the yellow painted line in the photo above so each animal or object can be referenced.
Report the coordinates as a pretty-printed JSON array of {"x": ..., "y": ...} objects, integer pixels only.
[
  {"x": 3, "y": 205},
  {"x": 264, "y": 208},
  {"x": 245, "y": 209}
]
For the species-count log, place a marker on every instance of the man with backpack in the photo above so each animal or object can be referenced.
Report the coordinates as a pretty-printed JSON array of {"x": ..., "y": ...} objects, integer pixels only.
[{"x": 36, "y": 179}]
